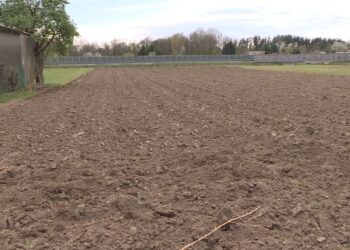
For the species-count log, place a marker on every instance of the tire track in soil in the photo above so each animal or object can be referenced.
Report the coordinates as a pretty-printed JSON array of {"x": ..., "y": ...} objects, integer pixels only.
[{"x": 75, "y": 160}]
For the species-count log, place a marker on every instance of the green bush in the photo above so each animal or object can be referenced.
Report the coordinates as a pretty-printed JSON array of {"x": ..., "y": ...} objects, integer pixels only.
[{"x": 9, "y": 78}]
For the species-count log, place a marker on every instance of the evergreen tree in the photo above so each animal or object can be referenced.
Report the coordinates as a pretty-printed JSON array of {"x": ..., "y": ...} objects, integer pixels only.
[
  {"x": 142, "y": 51},
  {"x": 229, "y": 48}
]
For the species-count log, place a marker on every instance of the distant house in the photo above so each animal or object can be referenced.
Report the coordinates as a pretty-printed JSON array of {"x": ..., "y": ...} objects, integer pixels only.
[
  {"x": 17, "y": 52},
  {"x": 256, "y": 53},
  {"x": 318, "y": 52}
]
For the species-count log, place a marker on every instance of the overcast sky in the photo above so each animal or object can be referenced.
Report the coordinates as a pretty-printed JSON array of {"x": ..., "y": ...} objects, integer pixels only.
[{"x": 131, "y": 20}]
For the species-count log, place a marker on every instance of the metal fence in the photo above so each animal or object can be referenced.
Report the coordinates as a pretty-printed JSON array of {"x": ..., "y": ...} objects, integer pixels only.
[
  {"x": 147, "y": 59},
  {"x": 299, "y": 58},
  {"x": 115, "y": 60}
]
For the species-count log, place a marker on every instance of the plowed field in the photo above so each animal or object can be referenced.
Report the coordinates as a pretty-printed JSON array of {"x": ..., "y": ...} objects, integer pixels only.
[{"x": 155, "y": 157}]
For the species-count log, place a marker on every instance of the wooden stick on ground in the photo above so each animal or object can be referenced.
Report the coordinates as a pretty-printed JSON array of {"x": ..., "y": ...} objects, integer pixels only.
[{"x": 219, "y": 227}]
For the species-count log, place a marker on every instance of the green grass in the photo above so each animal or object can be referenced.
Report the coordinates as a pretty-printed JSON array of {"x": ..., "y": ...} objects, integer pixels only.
[
  {"x": 18, "y": 95},
  {"x": 336, "y": 70},
  {"x": 53, "y": 77},
  {"x": 62, "y": 76}
]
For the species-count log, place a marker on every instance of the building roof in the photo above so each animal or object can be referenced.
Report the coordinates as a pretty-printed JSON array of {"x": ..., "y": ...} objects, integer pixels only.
[
  {"x": 258, "y": 52},
  {"x": 11, "y": 30}
]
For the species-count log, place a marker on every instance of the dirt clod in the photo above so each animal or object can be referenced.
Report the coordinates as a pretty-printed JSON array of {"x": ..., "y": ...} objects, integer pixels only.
[
  {"x": 166, "y": 213},
  {"x": 309, "y": 130},
  {"x": 321, "y": 239},
  {"x": 64, "y": 177}
]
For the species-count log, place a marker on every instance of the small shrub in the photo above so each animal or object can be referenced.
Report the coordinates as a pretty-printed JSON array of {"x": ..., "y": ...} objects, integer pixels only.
[{"x": 9, "y": 78}]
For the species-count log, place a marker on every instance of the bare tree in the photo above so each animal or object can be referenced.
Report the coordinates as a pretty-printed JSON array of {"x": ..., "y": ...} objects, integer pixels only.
[
  {"x": 179, "y": 44},
  {"x": 203, "y": 42}
]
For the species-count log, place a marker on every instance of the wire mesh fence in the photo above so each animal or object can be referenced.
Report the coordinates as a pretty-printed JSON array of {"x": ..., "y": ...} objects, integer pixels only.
[
  {"x": 97, "y": 60},
  {"x": 300, "y": 58},
  {"x": 124, "y": 60}
]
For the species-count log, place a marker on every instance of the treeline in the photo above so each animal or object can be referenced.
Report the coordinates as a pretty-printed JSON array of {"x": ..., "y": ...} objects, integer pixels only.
[{"x": 210, "y": 42}]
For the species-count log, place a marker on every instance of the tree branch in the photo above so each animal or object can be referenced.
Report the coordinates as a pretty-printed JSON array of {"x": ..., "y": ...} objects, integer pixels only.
[
  {"x": 33, "y": 6},
  {"x": 47, "y": 44}
]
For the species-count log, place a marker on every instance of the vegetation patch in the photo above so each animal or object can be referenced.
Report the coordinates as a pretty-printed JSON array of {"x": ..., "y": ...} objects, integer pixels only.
[
  {"x": 9, "y": 79},
  {"x": 62, "y": 76},
  {"x": 16, "y": 95},
  {"x": 53, "y": 77}
]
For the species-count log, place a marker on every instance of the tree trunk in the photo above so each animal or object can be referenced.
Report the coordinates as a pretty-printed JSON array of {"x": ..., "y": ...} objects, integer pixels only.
[{"x": 39, "y": 68}]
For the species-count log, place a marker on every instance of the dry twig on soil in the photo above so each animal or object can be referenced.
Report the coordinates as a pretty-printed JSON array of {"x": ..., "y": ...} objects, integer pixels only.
[
  {"x": 75, "y": 238},
  {"x": 219, "y": 227}
]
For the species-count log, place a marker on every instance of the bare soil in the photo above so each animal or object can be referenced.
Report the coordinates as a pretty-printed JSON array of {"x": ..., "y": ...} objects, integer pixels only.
[{"x": 155, "y": 157}]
